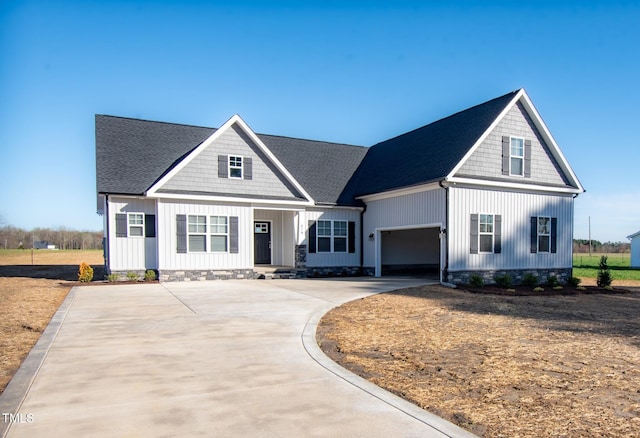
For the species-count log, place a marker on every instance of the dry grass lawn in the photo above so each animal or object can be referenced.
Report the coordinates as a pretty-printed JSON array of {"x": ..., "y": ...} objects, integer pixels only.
[
  {"x": 499, "y": 366},
  {"x": 30, "y": 295}
]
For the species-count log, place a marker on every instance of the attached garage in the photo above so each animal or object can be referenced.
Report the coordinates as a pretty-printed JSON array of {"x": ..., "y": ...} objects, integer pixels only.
[{"x": 409, "y": 251}]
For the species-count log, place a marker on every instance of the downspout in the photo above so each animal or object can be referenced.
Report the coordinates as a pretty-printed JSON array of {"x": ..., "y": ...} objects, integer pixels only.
[
  {"x": 445, "y": 271},
  {"x": 105, "y": 239},
  {"x": 362, "y": 238}
]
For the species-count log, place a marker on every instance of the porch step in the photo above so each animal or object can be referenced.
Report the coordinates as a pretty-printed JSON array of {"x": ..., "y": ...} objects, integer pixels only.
[{"x": 276, "y": 272}]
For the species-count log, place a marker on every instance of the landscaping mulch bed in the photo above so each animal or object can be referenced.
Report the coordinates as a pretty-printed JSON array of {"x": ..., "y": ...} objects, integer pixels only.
[{"x": 498, "y": 363}]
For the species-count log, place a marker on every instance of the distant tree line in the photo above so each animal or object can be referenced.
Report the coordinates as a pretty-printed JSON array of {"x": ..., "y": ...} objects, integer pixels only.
[
  {"x": 63, "y": 238},
  {"x": 582, "y": 245}
]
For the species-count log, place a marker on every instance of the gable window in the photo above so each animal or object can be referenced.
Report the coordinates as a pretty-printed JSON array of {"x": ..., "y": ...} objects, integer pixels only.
[
  {"x": 517, "y": 156},
  {"x": 136, "y": 224},
  {"x": 219, "y": 233},
  {"x": 197, "y": 233},
  {"x": 324, "y": 236},
  {"x": 235, "y": 167},
  {"x": 486, "y": 233}
]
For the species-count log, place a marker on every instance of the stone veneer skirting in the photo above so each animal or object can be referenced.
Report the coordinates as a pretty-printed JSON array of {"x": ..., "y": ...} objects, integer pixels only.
[
  {"x": 517, "y": 275},
  {"x": 202, "y": 275}
]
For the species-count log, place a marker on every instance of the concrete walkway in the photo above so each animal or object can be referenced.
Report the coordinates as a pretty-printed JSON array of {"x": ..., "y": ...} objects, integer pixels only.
[{"x": 225, "y": 358}]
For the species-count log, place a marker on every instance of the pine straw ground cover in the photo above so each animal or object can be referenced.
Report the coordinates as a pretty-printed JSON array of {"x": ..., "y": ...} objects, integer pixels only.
[{"x": 499, "y": 366}]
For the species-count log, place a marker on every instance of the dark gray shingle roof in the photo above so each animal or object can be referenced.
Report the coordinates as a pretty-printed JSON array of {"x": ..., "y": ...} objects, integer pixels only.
[
  {"x": 425, "y": 154},
  {"x": 132, "y": 154}
]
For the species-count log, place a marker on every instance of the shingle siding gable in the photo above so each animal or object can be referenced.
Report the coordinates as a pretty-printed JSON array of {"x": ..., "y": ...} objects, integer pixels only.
[
  {"x": 202, "y": 174},
  {"x": 487, "y": 160}
]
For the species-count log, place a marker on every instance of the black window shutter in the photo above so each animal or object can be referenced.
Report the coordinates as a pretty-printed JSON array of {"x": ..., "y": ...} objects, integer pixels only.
[
  {"x": 149, "y": 225},
  {"x": 534, "y": 234},
  {"x": 247, "y": 167},
  {"x": 223, "y": 166},
  {"x": 554, "y": 234},
  {"x": 233, "y": 235},
  {"x": 312, "y": 237},
  {"x": 506, "y": 154},
  {"x": 121, "y": 225},
  {"x": 352, "y": 237},
  {"x": 181, "y": 233},
  {"x": 497, "y": 234},
  {"x": 473, "y": 238},
  {"x": 527, "y": 158}
]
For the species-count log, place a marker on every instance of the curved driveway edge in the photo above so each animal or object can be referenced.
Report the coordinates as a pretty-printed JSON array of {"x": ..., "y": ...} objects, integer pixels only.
[
  {"x": 218, "y": 358},
  {"x": 438, "y": 424}
]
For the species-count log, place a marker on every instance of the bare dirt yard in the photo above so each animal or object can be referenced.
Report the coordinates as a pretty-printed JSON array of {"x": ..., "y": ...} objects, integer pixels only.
[
  {"x": 500, "y": 365},
  {"x": 30, "y": 295}
]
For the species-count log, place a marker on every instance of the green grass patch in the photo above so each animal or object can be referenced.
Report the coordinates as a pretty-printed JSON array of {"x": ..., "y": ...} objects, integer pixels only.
[{"x": 619, "y": 265}]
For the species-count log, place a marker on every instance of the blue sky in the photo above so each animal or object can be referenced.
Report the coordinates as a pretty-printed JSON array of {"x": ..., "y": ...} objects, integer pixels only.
[{"x": 349, "y": 72}]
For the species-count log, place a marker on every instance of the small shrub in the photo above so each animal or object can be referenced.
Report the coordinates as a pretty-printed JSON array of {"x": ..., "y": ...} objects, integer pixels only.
[
  {"x": 581, "y": 288},
  {"x": 511, "y": 290},
  {"x": 530, "y": 280},
  {"x": 552, "y": 281},
  {"x": 132, "y": 276},
  {"x": 604, "y": 274},
  {"x": 558, "y": 287},
  {"x": 476, "y": 280},
  {"x": 85, "y": 273},
  {"x": 112, "y": 278},
  {"x": 504, "y": 280},
  {"x": 150, "y": 275},
  {"x": 538, "y": 289},
  {"x": 574, "y": 281}
]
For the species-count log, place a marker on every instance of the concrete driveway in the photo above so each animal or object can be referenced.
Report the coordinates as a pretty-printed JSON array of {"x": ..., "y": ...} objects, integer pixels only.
[{"x": 218, "y": 358}]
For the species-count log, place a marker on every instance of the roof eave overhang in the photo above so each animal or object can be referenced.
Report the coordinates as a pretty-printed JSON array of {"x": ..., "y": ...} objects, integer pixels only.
[
  {"x": 402, "y": 191},
  {"x": 471, "y": 182}
]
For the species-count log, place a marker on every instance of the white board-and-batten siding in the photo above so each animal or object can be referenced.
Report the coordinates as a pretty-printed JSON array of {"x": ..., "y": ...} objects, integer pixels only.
[
  {"x": 169, "y": 258},
  {"x": 415, "y": 210},
  {"x": 324, "y": 259},
  {"x": 515, "y": 209},
  {"x": 130, "y": 253}
]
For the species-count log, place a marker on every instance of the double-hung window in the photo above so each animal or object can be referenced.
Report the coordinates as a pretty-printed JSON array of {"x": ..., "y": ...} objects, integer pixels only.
[
  {"x": 544, "y": 234},
  {"x": 485, "y": 232},
  {"x": 235, "y": 167},
  {"x": 332, "y": 236},
  {"x": 339, "y": 236},
  {"x": 197, "y": 233},
  {"x": 219, "y": 233},
  {"x": 324, "y": 236},
  {"x": 517, "y": 156},
  {"x": 136, "y": 224}
]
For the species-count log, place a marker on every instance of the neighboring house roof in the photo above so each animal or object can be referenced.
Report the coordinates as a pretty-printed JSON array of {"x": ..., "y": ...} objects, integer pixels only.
[
  {"x": 634, "y": 235},
  {"x": 132, "y": 155}
]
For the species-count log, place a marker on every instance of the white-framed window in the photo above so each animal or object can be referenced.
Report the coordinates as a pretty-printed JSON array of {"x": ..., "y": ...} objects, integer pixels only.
[
  {"x": 485, "y": 233},
  {"x": 332, "y": 236},
  {"x": 339, "y": 236},
  {"x": 235, "y": 167},
  {"x": 324, "y": 236},
  {"x": 544, "y": 234},
  {"x": 517, "y": 156},
  {"x": 219, "y": 228},
  {"x": 135, "y": 223},
  {"x": 197, "y": 233}
]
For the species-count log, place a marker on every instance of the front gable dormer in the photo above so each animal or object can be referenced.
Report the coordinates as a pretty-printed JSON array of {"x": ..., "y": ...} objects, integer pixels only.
[{"x": 233, "y": 163}]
